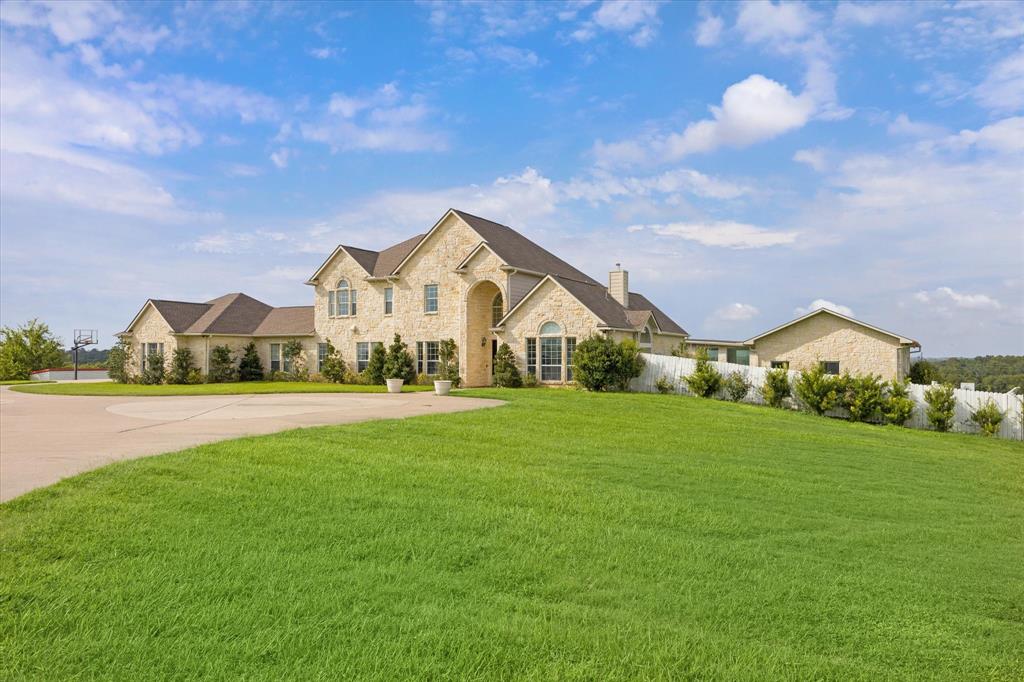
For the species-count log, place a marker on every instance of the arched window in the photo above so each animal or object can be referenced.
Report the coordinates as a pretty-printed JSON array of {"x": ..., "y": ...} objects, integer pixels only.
[
  {"x": 550, "y": 329},
  {"x": 550, "y": 352},
  {"x": 645, "y": 339},
  {"x": 342, "y": 301},
  {"x": 497, "y": 309}
]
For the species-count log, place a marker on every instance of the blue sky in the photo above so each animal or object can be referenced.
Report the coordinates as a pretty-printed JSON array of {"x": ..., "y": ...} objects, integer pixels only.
[{"x": 746, "y": 162}]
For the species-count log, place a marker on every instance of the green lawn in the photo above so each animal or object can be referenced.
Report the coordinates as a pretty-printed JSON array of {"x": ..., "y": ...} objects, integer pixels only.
[
  {"x": 242, "y": 387},
  {"x": 562, "y": 536},
  {"x": 18, "y": 382}
]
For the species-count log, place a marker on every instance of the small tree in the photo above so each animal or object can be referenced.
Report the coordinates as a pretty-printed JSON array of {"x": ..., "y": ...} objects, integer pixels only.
[
  {"x": 705, "y": 380},
  {"x": 26, "y": 348},
  {"x": 817, "y": 391},
  {"x": 333, "y": 366},
  {"x": 923, "y": 373},
  {"x": 864, "y": 397},
  {"x": 448, "y": 354},
  {"x": 399, "y": 364},
  {"x": 222, "y": 365},
  {"x": 988, "y": 417},
  {"x": 898, "y": 407},
  {"x": 594, "y": 363},
  {"x": 776, "y": 387},
  {"x": 295, "y": 358},
  {"x": 736, "y": 386},
  {"x": 120, "y": 361},
  {"x": 629, "y": 363},
  {"x": 664, "y": 386},
  {"x": 941, "y": 406},
  {"x": 250, "y": 367},
  {"x": 154, "y": 372},
  {"x": 506, "y": 373},
  {"x": 375, "y": 367},
  {"x": 181, "y": 366},
  {"x": 681, "y": 351}
]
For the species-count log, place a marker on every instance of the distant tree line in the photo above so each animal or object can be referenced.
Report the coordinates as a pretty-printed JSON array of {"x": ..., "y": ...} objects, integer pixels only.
[{"x": 997, "y": 373}]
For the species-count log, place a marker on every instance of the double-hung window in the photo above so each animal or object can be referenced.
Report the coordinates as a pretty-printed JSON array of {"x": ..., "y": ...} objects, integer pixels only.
[
  {"x": 389, "y": 300},
  {"x": 148, "y": 349},
  {"x": 738, "y": 356},
  {"x": 362, "y": 355},
  {"x": 342, "y": 301},
  {"x": 427, "y": 353},
  {"x": 430, "y": 298},
  {"x": 321, "y": 355},
  {"x": 275, "y": 357},
  {"x": 570, "y": 349},
  {"x": 497, "y": 309},
  {"x": 531, "y": 356},
  {"x": 550, "y": 352},
  {"x": 645, "y": 340}
]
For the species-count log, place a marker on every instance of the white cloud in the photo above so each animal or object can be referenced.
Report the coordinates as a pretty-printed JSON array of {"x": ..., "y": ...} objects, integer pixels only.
[
  {"x": 1003, "y": 87},
  {"x": 709, "y": 30},
  {"x": 604, "y": 188},
  {"x": 637, "y": 19},
  {"x": 735, "y": 312},
  {"x": 945, "y": 297},
  {"x": 1005, "y": 136},
  {"x": 513, "y": 57},
  {"x": 725, "y": 234},
  {"x": 868, "y": 14},
  {"x": 281, "y": 157},
  {"x": 242, "y": 170},
  {"x": 322, "y": 52},
  {"x": 238, "y": 242},
  {"x": 769, "y": 22},
  {"x": 815, "y": 158},
  {"x": 384, "y": 120},
  {"x": 820, "y": 304},
  {"x": 902, "y": 125},
  {"x": 69, "y": 22}
]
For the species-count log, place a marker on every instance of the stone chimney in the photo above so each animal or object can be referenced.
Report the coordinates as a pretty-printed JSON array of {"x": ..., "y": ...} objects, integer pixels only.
[{"x": 618, "y": 285}]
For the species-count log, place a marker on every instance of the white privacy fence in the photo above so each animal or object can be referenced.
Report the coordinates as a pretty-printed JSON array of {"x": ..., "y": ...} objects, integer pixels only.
[{"x": 673, "y": 369}]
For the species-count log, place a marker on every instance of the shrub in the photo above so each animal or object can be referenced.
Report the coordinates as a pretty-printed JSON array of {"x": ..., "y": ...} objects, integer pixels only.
[
  {"x": 530, "y": 381},
  {"x": 864, "y": 397},
  {"x": 988, "y": 417},
  {"x": 817, "y": 391},
  {"x": 941, "y": 406},
  {"x": 898, "y": 406},
  {"x": 506, "y": 374},
  {"x": 333, "y": 366},
  {"x": 196, "y": 376},
  {"x": 119, "y": 362},
  {"x": 222, "y": 365},
  {"x": 923, "y": 372},
  {"x": 705, "y": 380},
  {"x": 448, "y": 354},
  {"x": 181, "y": 366},
  {"x": 280, "y": 376},
  {"x": 664, "y": 385},
  {"x": 776, "y": 387},
  {"x": 375, "y": 368},
  {"x": 736, "y": 386},
  {"x": 398, "y": 364},
  {"x": 295, "y": 357},
  {"x": 356, "y": 378},
  {"x": 600, "y": 364},
  {"x": 681, "y": 351},
  {"x": 154, "y": 372},
  {"x": 250, "y": 367}
]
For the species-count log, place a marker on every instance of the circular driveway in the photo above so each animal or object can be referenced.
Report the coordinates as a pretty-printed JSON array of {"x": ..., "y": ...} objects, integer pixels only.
[{"x": 44, "y": 438}]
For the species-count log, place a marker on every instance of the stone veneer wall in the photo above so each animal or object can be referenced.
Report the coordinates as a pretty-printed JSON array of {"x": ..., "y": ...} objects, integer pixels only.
[
  {"x": 858, "y": 349},
  {"x": 151, "y": 328}
]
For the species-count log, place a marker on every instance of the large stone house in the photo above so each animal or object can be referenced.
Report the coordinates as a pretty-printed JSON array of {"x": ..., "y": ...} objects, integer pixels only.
[{"x": 467, "y": 278}]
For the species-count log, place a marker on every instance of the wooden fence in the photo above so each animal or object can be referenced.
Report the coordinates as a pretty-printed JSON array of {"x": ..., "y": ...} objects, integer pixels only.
[{"x": 673, "y": 370}]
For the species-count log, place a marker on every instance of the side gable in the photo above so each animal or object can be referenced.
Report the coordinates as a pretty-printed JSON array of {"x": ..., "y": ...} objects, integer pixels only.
[
  {"x": 902, "y": 340},
  {"x": 544, "y": 288},
  {"x": 178, "y": 315}
]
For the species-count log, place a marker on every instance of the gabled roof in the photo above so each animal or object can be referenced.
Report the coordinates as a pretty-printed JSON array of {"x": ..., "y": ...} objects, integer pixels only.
[
  {"x": 375, "y": 263},
  {"x": 231, "y": 314},
  {"x": 611, "y": 313},
  {"x": 903, "y": 340}
]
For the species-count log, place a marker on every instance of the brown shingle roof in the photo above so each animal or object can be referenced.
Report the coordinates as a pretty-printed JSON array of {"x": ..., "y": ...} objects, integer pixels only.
[
  {"x": 297, "y": 320},
  {"x": 667, "y": 324},
  {"x": 230, "y": 314},
  {"x": 179, "y": 314},
  {"x": 236, "y": 314},
  {"x": 389, "y": 258}
]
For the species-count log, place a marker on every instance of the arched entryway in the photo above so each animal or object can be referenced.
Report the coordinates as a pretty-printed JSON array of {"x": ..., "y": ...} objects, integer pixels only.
[{"x": 484, "y": 307}]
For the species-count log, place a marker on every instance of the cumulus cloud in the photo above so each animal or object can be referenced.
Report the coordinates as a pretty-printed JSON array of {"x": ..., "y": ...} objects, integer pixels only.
[
  {"x": 725, "y": 234},
  {"x": 638, "y": 20},
  {"x": 1003, "y": 87},
  {"x": 709, "y": 29},
  {"x": 820, "y": 304},
  {"x": 280, "y": 157},
  {"x": 903, "y": 126},
  {"x": 815, "y": 158},
  {"x": 1005, "y": 136},
  {"x": 322, "y": 52},
  {"x": 735, "y": 312},
  {"x": 604, "y": 187},
  {"x": 945, "y": 297}
]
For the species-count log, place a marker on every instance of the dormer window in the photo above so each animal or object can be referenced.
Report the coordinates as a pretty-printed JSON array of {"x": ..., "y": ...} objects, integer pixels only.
[
  {"x": 341, "y": 302},
  {"x": 645, "y": 340}
]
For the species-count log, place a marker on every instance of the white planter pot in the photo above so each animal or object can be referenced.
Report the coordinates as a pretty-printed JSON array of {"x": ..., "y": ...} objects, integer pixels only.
[
  {"x": 442, "y": 387},
  {"x": 395, "y": 385}
]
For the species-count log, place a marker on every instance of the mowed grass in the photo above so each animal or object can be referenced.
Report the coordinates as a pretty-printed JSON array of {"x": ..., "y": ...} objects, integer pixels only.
[
  {"x": 562, "y": 536},
  {"x": 19, "y": 382},
  {"x": 234, "y": 388}
]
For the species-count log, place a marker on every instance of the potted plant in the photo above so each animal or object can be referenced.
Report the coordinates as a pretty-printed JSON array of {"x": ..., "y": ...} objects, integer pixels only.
[
  {"x": 448, "y": 354},
  {"x": 398, "y": 365}
]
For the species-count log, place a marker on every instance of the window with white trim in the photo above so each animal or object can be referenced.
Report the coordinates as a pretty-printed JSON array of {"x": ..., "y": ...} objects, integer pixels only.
[
  {"x": 830, "y": 366},
  {"x": 342, "y": 301},
  {"x": 275, "y": 357},
  {"x": 430, "y": 298},
  {"x": 427, "y": 355},
  {"x": 362, "y": 355},
  {"x": 738, "y": 356},
  {"x": 389, "y": 300},
  {"x": 148, "y": 349},
  {"x": 570, "y": 350},
  {"x": 644, "y": 339},
  {"x": 321, "y": 355},
  {"x": 497, "y": 309},
  {"x": 551, "y": 352},
  {"x": 531, "y": 356}
]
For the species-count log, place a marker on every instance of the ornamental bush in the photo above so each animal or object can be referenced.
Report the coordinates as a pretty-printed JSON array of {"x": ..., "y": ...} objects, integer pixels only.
[
  {"x": 506, "y": 374},
  {"x": 448, "y": 355},
  {"x": 375, "y": 367},
  {"x": 250, "y": 367},
  {"x": 988, "y": 417},
  {"x": 119, "y": 361},
  {"x": 333, "y": 366},
  {"x": 600, "y": 364},
  {"x": 154, "y": 372},
  {"x": 222, "y": 365},
  {"x": 736, "y": 386},
  {"x": 898, "y": 406},
  {"x": 398, "y": 363},
  {"x": 864, "y": 397},
  {"x": 776, "y": 387},
  {"x": 941, "y": 406},
  {"x": 295, "y": 357},
  {"x": 629, "y": 365},
  {"x": 817, "y": 391},
  {"x": 705, "y": 380},
  {"x": 181, "y": 366},
  {"x": 664, "y": 385}
]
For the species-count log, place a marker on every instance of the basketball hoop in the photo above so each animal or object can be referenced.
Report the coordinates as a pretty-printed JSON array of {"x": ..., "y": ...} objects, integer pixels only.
[{"x": 83, "y": 338}]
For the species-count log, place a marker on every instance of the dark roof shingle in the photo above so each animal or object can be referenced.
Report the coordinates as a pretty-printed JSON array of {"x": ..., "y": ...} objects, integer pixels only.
[{"x": 236, "y": 315}]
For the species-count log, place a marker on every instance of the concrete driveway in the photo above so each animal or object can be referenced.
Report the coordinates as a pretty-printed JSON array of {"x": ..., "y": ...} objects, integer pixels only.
[{"x": 44, "y": 438}]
